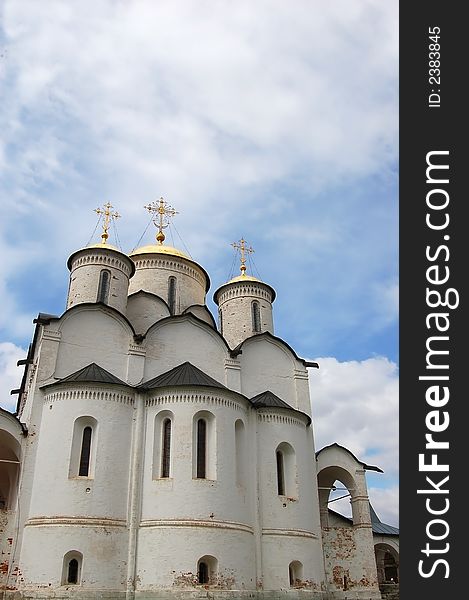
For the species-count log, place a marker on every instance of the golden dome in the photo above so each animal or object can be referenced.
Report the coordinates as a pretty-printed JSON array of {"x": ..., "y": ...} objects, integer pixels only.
[
  {"x": 243, "y": 277},
  {"x": 159, "y": 249},
  {"x": 101, "y": 245}
]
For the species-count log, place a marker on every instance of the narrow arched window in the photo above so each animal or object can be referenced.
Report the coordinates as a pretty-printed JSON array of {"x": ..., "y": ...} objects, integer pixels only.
[
  {"x": 220, "y": 320},
  {"x": 72, "y": 576},
  {"x": 71, "y": 569},
  {"x": 172, "y": 295},
  {"x": 207, "y": 568},
  {"x": 280, "y": 473},
  {"x": 240, "y": 452},
  {"x": 85, "y": 453},
  {"x": 295, "y": 573},
  {"x": 256, "y": 316},
  {"x": 201, "y": 471},
  {"x": 104, "y": 286},
  {"x": 166, "y": 448},
  {"x": 202, "y": 573}
]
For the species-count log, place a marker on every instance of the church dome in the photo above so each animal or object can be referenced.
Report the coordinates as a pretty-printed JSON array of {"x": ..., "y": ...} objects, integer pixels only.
[
  {"x": 99, "y": 273},
  {"x": 244, "y": 304},
  {"x": 159, "y": 249},
  {"x": 170, "y": 274},
  {"x": 243, "y": 277}
]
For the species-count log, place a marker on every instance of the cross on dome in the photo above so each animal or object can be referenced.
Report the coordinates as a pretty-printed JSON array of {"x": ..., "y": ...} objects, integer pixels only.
[
  {"x": 162, "y": 211},
  {"x": 108, "y": 217},
  {"x": 243, "y": 249}
]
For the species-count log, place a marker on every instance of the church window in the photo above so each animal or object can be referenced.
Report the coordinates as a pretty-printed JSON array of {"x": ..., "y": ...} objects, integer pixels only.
[
  {"x": 172, "y": 295},
  {"x": 280, "y": 474},
  {"x": 163, "y": 434},
  {"x": 202, "y": 573},
  {"x": 104, "y": 285},
  {"x": 71, "y": 570},
  {"x": 201, "y": 448},
  {"x": 220, "y": 320},
  {"x": 240, "y": 452},
  {"x": 85, "y": 453},
  {"x": 166, "y": 448},
  {"x": 286, "y": 471},
  {"x": 256, "y": 316},
  {"x": 295, "y": 573},
  {"x": 204, "y": 446},
  {"x": 207, "y": 570}
]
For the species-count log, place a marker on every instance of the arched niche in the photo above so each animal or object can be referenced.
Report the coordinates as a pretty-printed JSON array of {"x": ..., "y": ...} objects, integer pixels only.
[{"x": 10, "y": 455}]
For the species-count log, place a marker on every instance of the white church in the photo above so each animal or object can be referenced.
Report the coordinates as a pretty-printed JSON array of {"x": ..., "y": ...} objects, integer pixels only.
[{"x": 158, "y": 454}]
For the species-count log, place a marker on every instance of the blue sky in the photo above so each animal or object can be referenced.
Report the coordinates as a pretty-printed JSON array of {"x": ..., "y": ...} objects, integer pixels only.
[{"x": 273, "y": 122}]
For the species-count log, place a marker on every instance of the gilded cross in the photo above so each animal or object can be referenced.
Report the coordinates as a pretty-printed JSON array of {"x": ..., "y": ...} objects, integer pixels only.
[
  {"x": 162, "y": 212},
  {"x": 108, "y": 216},
  {"x": 241, "y": 246}
]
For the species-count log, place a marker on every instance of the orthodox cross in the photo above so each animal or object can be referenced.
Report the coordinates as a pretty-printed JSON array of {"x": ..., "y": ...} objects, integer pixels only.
[
  {"x": 243, "y": 249},
  {"x": 108, "y": 216},
  {"x": 162, "y": 211}
]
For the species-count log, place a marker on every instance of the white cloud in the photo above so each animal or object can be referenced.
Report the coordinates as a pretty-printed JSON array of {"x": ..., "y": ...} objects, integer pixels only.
[
  {"x": 202, "y": 102},
  {"x": 10, "y": 374},
  {"x": 211, "y": 105},
  {"x": 386, "y": 504},
  {"x": 355, "y": 404}
]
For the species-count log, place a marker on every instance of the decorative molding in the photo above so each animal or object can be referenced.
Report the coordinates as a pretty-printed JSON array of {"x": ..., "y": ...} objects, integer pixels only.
[
  {"x": 87, "y": 393},
  {"x": 291, "y": 533},
  {"x": 170, "y": 265},
  {"x": 137, "y": 350},
  {"x": 189, "y": 523},
  {"x": 301, "y": 374},
  {"x": 75, "y": 521},
  {"x": 241, "y": 290},
  {"x": 275, "y": 418},
  {"x": 194, "y": 398},
  {"x": 102, "y": 260},
  {"x": 52, "y": 335},
  {"x": 232, "y": 363}
]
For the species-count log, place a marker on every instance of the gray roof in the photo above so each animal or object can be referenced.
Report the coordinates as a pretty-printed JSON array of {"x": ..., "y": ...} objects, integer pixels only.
[
  {"x": 268, "y": 398},
  {"x": 379, "y": 527},
  {"x": 184, "y": 374},
  {"x": 376, "y": 525},
  {"x": 364, "y": 465},
  {"x": 92, "y": 373}
]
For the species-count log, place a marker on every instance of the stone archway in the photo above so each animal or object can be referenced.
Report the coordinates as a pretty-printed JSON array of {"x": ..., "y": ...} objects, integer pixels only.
[
  {"x": 348, "y": 549},
  {"x": 9, "y": 470},
  {"x": 387, "y": 563}
]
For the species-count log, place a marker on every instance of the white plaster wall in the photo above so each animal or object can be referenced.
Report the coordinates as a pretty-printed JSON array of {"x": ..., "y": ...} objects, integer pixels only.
[
  {"x": 104, "y": 495},
  {"x": 158, "y": 546},
  {"x": 182, "y": 497},
  {"x": 173, "y": 342},
  {"x": 152, "y": 274},
  {"x": 266, "y": 365},
  {"x": 290, "y": 524},
  {"x": 278, "y": 551},
  {"x": 201, "y": 312},
  {"x": 143, "y": 311},
  {"x": 86, "y": 268},
  {"x": 104, "y": 551},
  {"x": 275, "y": 427},
  {"x": 7, "y": 543},
  {"x": 93, "y": 334},
  {"x": 235, "y": 306}
]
